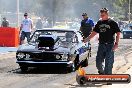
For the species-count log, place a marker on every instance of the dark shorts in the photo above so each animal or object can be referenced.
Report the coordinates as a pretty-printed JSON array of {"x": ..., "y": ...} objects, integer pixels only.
[{"x": 25, "y": 34}]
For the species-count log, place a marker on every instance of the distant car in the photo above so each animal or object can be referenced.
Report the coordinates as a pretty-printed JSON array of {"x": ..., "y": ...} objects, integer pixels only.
[
  {"x": 127, "y": 31},
  {"x": 52, "y": 46}
]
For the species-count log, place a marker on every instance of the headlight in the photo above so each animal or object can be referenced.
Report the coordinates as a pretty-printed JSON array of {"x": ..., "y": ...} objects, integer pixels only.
[
  {"x": 65, "y": 56},
  {"x": 20, "y": 55},
  {"x": 27, "y": 57},
  {"x": 58, "y": 56}
]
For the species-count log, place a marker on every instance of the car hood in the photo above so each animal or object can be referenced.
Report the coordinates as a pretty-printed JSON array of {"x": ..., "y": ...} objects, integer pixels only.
[
  {"x": 27, "y": 47},
  {"x": 33, "y": 48}
]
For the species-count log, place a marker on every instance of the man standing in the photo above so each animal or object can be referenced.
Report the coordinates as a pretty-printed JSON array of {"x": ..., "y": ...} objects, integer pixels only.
[
  {"x": 5, "y": 23},
  {"x": 107, "y": 28},
  {"x": 26, "y": 28},
  {"x": 86, "y": 25}
]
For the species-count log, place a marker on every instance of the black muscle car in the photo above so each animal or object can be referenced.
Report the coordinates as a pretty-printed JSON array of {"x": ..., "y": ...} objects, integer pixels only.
[{"x": 53, "y": 46}]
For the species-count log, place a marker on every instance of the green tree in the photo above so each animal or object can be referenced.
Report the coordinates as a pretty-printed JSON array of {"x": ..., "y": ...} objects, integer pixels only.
[{"x": 120, "y": 8}]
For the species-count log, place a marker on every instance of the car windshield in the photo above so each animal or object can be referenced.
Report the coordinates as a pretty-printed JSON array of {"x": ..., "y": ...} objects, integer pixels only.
[{"x": 64, "y": 36}]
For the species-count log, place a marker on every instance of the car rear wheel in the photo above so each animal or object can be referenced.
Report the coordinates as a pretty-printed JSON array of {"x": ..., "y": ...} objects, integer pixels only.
[{"x": 23, "y": 68}]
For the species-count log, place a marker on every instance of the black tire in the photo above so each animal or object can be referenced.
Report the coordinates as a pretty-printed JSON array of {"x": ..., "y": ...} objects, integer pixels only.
[
  {"x": 81, "y": 80},
  {"x": 23, "y": 68}
]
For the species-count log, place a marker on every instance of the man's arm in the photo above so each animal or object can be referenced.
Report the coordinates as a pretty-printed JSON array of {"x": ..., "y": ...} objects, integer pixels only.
[
  {"x": 117, "y": 31},
  {"x": 117, "y": 41},
  {"x": 92, "y": 23},
  {"x": 90, "y": 37},
  {"x": 117, "y": 37}
]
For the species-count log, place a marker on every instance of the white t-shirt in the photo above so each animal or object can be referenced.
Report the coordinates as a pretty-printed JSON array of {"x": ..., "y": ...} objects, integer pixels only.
[{"x": 26, "y": 25}]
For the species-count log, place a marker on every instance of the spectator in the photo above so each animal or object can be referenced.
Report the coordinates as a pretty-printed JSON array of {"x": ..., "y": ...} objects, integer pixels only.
[
  {"x": 26, "y": 28},
  {"x": 5, "y": 23},
  {"x": 86, "y": 25},
  {"x": 107, "y": 28}
]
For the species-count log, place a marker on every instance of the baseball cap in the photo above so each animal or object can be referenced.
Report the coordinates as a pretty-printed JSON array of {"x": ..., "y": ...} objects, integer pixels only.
[
  {"x": 104, "y": 10},
  {"x": 84, "y": 14}
]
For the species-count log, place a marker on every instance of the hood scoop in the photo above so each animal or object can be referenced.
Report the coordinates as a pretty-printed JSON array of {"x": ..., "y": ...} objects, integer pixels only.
[{"x": 47, "y": 42}]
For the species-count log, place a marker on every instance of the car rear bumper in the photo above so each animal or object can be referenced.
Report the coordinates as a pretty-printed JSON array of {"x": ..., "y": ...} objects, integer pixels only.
[{"x": 36, "y": 63}]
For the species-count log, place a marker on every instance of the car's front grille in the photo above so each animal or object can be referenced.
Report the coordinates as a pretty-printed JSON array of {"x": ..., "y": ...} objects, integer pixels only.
[{"x": 43, "y": 56}]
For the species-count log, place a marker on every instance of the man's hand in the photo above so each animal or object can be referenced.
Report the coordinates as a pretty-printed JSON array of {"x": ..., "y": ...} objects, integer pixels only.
[
  {"x": 115, "y": 46},
  {"x": 89, "y": 37}
]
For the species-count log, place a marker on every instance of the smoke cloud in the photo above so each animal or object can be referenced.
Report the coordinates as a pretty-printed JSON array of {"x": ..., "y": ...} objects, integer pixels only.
[{"x": 56, "y": 9}]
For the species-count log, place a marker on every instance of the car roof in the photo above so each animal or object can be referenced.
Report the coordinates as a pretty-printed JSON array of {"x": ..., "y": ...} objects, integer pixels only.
[{"x": 57, "y": 29}]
